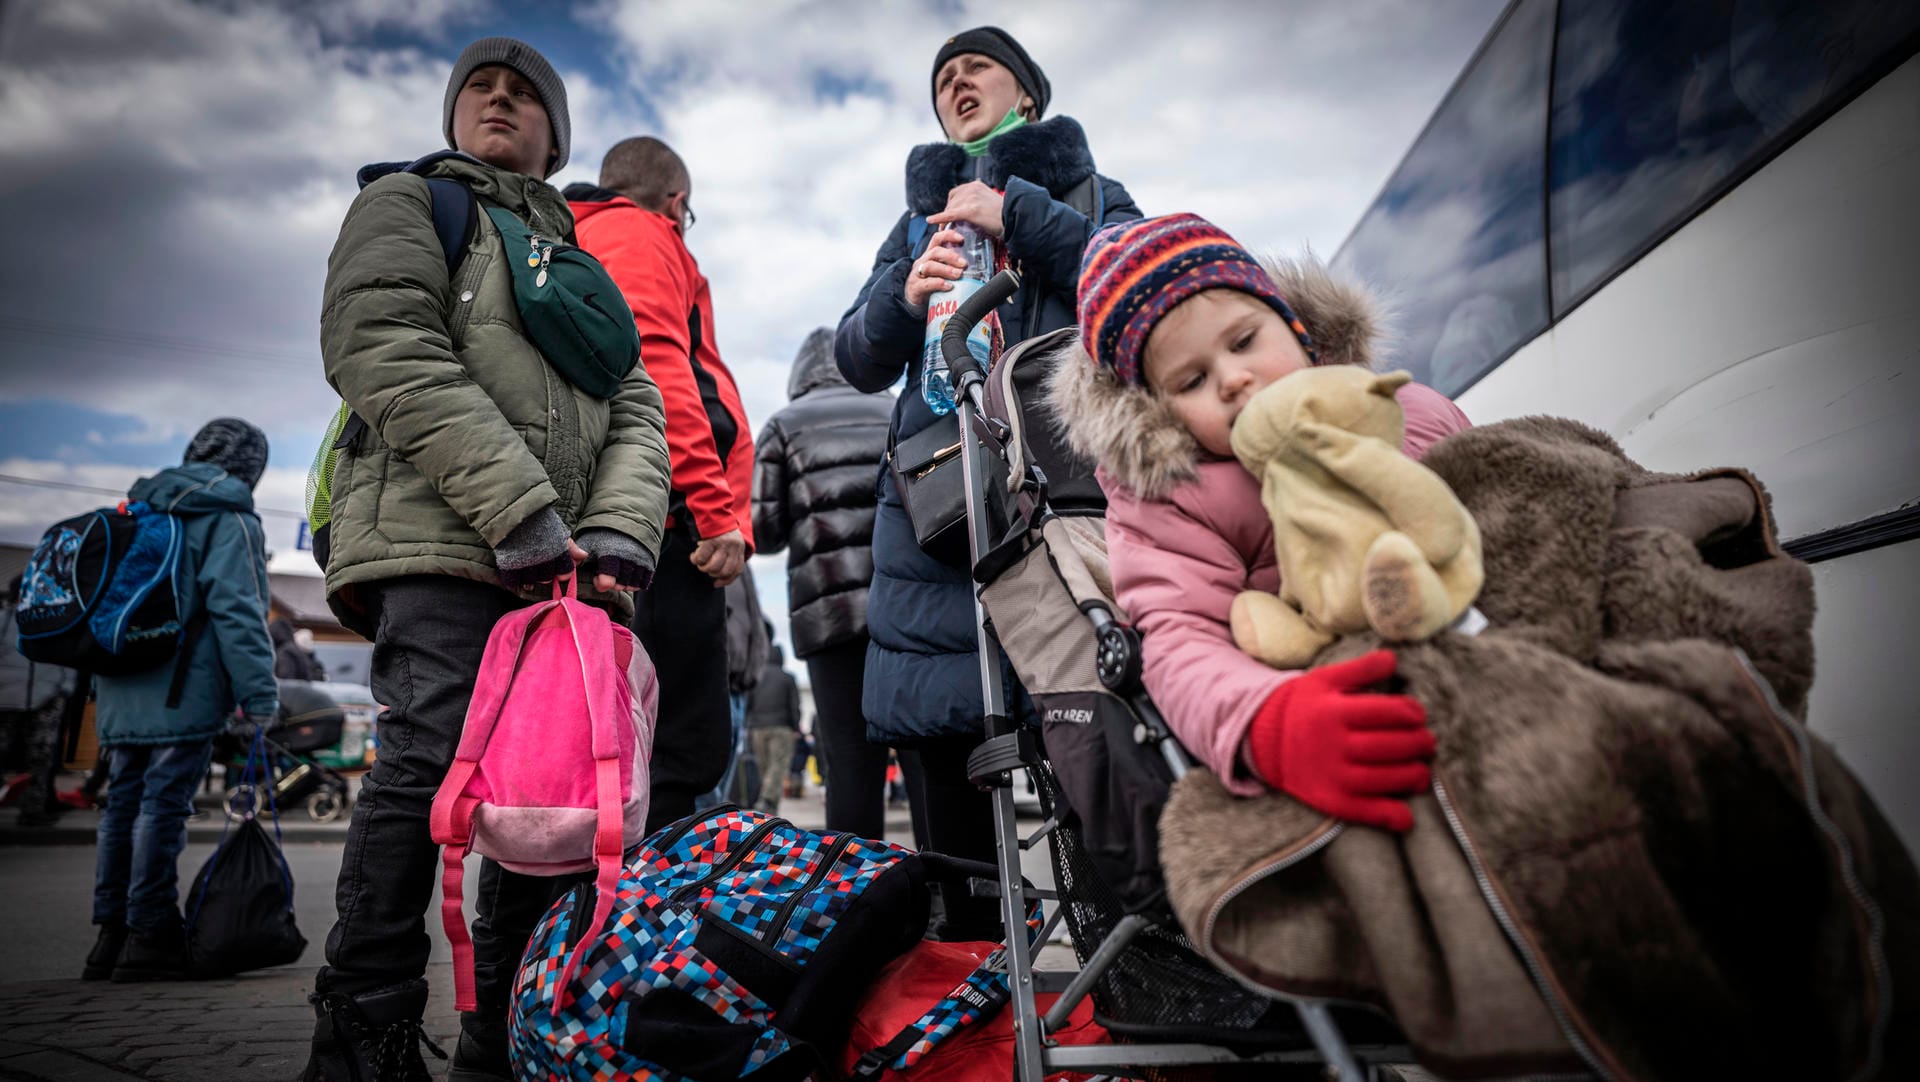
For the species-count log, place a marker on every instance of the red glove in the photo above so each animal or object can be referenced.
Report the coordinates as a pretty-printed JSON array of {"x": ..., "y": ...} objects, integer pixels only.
[{"x": 1327, "y": 744}]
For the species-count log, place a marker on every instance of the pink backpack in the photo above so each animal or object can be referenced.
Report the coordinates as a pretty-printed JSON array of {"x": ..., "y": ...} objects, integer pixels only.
[{"x": 551, "y": 775}]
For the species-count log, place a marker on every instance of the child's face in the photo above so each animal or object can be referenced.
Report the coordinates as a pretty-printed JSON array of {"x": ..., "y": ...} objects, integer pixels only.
[
  {"x": 1210, "y": 354},
  {"x": 498, "y": 119}
]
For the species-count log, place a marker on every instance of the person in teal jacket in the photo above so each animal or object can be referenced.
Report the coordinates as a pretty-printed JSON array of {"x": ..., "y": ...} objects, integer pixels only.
[{"x": 157, "y": 754}]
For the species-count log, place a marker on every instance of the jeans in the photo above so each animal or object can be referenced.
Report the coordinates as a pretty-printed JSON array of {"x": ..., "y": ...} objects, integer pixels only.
[
  {"x": 430, "y": 633},
  {"x": 142, "y": 830}
]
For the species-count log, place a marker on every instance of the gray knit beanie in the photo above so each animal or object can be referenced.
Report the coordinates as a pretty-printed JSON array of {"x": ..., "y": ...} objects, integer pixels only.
[
  {"x": 526, "y": 60},
  {"x": 233, "y": 445}
]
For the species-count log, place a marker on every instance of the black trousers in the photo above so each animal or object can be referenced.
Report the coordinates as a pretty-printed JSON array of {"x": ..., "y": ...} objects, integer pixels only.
[
  {"x": 956, "y": 818},
  {"x": 856, "y": 770},
  {"x": 430, "y": 633},
  {"x": 682, "y": 622}
]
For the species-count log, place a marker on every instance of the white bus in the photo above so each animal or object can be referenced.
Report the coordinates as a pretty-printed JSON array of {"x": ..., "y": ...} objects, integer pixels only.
[{"x": 1695, "y": 225}]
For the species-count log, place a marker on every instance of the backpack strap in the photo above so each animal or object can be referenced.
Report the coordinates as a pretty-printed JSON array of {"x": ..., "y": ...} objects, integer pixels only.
[
  {"x": 455, "y": 217},
  {"x": 450, "y": 818},
  {"x": 979, "y": 996},
  {"x": 189, "y": 639},
  {"x": 598, "y": 657},
  {"x": 457, "y": 820},
  {"x": 916, "y": 232}
]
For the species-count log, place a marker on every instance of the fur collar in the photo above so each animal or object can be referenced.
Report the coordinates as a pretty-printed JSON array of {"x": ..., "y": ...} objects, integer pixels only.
[
  {"x": 1051, "y": 153},
  {"x": 1132, "y": 435}
]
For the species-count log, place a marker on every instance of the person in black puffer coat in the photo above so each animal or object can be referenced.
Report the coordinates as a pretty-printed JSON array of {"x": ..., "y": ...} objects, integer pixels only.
[
  {"x": 1030, "y": 184},
  {"x": 813, "y": 491}
]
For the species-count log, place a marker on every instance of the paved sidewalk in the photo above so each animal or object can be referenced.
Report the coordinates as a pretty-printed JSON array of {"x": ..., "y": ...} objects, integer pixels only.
[{"x": 253, "y": 1027}]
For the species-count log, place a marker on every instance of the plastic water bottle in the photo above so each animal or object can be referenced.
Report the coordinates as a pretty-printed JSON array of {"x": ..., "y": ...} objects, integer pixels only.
[{"x": 935, "y": 385}]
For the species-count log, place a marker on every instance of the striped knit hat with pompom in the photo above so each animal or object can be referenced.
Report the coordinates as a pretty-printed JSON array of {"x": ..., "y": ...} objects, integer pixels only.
[{"x": 1133, "y": 273}]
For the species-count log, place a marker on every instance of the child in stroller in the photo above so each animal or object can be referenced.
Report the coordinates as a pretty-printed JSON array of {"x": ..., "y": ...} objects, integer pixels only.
[
  {"x": 309, "y": 720},
  {"x": 1104, "y": 758},
  {"x": 1180, "y": 326}
]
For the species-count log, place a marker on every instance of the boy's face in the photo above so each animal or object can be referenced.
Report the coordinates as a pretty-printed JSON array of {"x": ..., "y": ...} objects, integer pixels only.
[
  {"x": 498, "y": 119},
  {"x": 973, "y": 93},
  {"x": 1211, "y": 353}
]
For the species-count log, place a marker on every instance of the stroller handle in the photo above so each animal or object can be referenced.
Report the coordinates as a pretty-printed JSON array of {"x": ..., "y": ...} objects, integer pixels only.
[{"x": 953, "y": 340}]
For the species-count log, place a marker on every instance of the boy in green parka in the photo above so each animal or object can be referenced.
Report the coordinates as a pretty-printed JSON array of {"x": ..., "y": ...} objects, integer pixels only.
[{"x": 480, "y": 475}]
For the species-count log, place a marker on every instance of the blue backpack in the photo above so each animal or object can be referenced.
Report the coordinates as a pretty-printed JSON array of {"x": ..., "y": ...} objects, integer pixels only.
[
  {"x": 98, "y": 595},
  {"x": 738, "y": 947}
]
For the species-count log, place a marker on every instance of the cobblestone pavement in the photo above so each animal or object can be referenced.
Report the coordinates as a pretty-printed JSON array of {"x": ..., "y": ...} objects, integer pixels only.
[
  {"x": 252, "y": 1027},
  {"x": 255, "y": 1027}
]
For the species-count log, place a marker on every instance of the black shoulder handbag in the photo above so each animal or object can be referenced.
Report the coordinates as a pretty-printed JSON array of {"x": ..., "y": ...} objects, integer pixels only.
[{"x": 927, "y": 475}]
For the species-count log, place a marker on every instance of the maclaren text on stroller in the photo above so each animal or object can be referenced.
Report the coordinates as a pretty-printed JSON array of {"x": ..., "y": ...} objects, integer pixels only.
[{"x": 1102, "y": 764}]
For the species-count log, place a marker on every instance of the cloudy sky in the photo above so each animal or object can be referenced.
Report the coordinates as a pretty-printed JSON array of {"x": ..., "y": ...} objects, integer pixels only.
[{"x": 174, "y": 174}]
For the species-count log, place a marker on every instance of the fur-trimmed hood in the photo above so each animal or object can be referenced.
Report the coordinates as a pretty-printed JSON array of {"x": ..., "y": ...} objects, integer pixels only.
[
  {"x": 1051, "y": 153},
  {"x": 1132, "y": 435}
]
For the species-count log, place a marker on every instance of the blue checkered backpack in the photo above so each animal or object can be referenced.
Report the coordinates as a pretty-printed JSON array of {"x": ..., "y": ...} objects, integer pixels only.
[{"x": 737, "y": 948}]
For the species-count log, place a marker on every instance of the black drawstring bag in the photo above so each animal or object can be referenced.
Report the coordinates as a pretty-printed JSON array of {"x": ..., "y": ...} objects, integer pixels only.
[{"x": 240, "y": 910}]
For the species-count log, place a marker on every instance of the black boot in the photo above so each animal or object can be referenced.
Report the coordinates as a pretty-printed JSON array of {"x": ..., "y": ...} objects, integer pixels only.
[
  {"x": 159, "y": 955},
  {"x": 106, "y": 951},
  {"x": 372, "y": 1037},
  {"x": 481, "y": 1055}
]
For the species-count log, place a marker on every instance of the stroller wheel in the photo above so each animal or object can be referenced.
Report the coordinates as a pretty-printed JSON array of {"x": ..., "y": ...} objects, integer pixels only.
[
  {"x": 326, "y": 805},
  {"x": 243, "y": 802}
]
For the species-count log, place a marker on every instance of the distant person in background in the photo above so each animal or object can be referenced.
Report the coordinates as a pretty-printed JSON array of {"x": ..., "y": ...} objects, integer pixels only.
[
  {"x": 773, "y": 724},
  {"x": 290, "y": 662},
  {"x": 814, "y": 496},
  {"x": 33, "y": 700},
  {"x": 635, "y": 223},
  {"x": 303, "y": 638},
  {"x": 160, "y": 753}
]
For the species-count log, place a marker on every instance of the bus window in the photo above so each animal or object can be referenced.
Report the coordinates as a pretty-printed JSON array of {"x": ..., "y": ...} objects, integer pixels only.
[
  {"x": 1456, "y": 239},
  {"x": 1659, "y": 108}
]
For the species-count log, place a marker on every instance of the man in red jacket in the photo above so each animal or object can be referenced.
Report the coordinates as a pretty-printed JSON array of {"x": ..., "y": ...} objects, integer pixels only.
[{"x": 634, "y": 223}]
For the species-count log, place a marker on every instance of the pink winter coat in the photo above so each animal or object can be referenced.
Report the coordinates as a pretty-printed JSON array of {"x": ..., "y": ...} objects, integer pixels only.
[
  {"x": 1178, "y": 563},
  {"x": 1185, "y": 533}
]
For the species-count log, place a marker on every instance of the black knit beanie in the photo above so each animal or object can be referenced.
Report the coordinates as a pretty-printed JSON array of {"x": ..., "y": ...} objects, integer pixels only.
[
  {"x": 233, "y": 445},
  {"x": 996, "y": 44},
  {"x": 526, "y": 60}
]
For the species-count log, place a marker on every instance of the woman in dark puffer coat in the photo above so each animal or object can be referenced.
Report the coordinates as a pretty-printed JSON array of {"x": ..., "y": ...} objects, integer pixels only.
[
  {"x": 813, "y": 491},
  {"x": 1031, "y": 184}
]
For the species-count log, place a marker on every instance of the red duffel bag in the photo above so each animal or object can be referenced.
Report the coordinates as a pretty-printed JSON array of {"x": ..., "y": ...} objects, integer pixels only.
[{"x": 916, "y": 983}]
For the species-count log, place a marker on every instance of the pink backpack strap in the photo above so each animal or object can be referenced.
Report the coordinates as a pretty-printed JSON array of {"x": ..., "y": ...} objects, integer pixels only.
[
  {"x": 508, "y": 640},
  {"x": 452, "y": 820},
  {"x": 607, "y": 837},
  {"x": 598, "y": 658}
]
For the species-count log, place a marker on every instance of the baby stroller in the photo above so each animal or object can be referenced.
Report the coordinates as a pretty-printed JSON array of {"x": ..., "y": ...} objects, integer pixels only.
[
  {"x": 1102, "y": 763},
  {"x": 309, "y": 720}
]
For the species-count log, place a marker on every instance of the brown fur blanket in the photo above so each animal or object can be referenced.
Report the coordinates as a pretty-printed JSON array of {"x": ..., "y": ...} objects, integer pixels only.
[{"x": 1634, "y": 859}]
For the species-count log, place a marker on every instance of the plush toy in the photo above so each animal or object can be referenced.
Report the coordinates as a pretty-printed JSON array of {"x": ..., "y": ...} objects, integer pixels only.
[{"x": 1366, "y": 537}]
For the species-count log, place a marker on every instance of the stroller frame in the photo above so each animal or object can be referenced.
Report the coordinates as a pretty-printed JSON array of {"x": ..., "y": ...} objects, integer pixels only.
[{"x": 1007, "y": 748}]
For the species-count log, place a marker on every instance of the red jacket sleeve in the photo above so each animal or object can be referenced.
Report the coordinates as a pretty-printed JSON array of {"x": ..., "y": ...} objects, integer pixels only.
[{"x": 659, "y": 280}]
